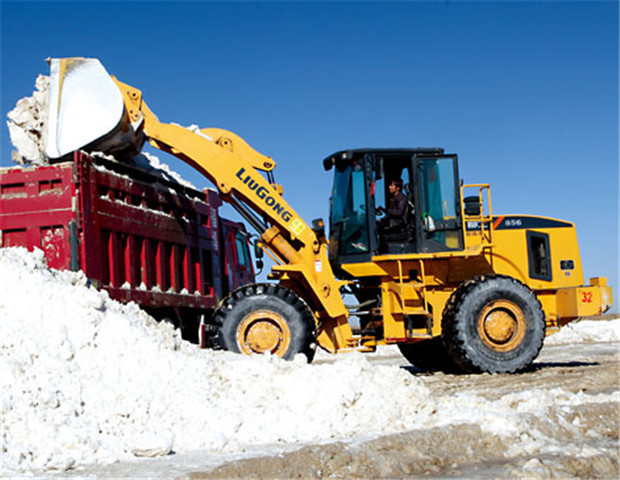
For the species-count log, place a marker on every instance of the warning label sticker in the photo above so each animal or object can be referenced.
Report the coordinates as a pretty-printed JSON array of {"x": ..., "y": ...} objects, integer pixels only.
[{"x": 297, "y": 226}]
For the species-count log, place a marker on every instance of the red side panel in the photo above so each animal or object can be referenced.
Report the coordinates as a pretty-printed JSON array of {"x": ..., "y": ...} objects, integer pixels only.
[
  {"x": 146, "y": 239},
  {"x": 36, "y": 207},
  {"x": 138, "y": 236}
]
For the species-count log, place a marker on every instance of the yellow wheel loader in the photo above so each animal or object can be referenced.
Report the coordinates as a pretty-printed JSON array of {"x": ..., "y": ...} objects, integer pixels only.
[{"x": 452, "y": 284}]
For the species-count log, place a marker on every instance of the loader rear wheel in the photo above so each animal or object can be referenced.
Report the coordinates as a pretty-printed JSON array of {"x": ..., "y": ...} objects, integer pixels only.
[
  {"x": 265, "y": 318},
  {"x": 493, "y": 324}
]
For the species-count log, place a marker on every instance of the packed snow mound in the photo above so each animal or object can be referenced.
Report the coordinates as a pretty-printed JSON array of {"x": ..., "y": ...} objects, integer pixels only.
[
  {"x": 151, "y": 162},
  {"x": 88, "y": 380},
  {"x": 587, "y": 331},
  {"x": 28, "y": 124}
]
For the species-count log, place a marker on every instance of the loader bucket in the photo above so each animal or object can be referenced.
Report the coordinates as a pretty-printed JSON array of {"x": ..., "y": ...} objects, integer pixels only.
[{"x": 86, "y": 110}]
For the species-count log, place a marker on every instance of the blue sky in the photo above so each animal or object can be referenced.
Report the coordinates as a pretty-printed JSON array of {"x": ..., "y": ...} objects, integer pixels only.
[{"x": 525, "y": 92}]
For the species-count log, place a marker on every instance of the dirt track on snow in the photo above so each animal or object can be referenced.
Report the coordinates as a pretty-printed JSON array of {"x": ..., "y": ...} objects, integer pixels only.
[
  {"x": 465, "y": 451},
  {"x": 575, "y": 435}
]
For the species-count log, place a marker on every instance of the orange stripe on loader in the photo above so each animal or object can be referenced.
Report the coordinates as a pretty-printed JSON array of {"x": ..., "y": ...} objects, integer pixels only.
[{"x": 497, "y": 222}]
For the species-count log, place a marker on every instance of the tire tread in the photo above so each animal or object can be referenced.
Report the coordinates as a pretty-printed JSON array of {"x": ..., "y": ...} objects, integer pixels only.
[
  {"x": 456, "y": 339},
  {"x": 227, "y": 306}
]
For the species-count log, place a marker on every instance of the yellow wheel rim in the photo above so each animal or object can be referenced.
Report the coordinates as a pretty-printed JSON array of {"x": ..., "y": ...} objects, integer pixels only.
[
  {"x": 263, "y": 331},
  {"x": 501, "y": 325}
]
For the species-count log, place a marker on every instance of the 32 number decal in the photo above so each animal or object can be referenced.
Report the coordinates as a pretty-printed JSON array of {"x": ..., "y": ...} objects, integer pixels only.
[{"x": 586, "y": 297}]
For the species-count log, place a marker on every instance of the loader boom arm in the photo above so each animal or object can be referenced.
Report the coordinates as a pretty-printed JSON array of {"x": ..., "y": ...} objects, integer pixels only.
[{"x": 234, "y": 167}]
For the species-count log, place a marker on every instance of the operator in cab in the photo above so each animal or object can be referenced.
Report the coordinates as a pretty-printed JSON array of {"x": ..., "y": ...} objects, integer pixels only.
[{"x": 394, "y": 220}]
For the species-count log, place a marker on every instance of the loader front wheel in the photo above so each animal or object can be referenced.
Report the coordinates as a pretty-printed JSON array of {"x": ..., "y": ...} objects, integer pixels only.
[
  {"x": 493, "y": 324},
  {"x": 265, "y": 318}
]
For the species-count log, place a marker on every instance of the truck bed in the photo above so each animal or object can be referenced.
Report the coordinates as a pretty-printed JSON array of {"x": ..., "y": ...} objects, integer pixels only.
[{"x": 134, "y": 233}]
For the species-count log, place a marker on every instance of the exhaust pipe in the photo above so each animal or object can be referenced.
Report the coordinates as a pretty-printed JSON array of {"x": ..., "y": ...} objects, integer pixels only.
[{"x": 86, "y": 111}]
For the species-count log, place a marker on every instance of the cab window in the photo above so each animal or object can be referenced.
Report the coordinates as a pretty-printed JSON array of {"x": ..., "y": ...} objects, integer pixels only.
[
  {"x": 349, "y": 222},
  {"x": 242, "y": 250},
  {"x": 440, "y": 203}
]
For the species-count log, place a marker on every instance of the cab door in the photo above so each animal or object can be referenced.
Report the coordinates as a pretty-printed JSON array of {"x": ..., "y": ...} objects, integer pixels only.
[
  {"x": 438, "y": 215},
  {"x": 245, "y": 270},
  {"x": 238, "y": 268}
]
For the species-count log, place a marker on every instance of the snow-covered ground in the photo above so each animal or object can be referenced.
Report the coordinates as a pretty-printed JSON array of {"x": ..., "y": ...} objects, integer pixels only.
[{"x": 86, "y": 380}]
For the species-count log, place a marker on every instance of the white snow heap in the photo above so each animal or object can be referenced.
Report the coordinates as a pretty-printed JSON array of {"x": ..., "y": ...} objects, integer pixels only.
[
  {"x": 88, "y": 380},
  {"x": 27, "y": 124},
  {"x": 151, "y": 162},
  {"x": 586, "y": 331}
]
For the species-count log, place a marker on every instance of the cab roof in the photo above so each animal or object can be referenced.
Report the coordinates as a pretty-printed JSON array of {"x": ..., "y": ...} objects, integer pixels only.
[{"x": 341, "y": 155}]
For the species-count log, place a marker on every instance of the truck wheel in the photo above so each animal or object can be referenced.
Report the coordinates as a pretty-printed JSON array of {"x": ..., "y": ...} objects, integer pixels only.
[
  {"x": 427, "y": 355},
  {"x": 263, "y": 318},
  {"x": 493, "y": 324}
]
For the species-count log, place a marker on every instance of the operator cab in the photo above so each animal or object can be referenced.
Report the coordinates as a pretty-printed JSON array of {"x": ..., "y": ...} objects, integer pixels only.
[{"x": 370, "y": 217}]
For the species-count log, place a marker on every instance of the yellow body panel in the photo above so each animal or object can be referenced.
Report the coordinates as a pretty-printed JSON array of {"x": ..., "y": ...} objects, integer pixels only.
[
  {"x": 575, "y": 302},
  {"x": 510, "y": 256},
  {"x": 415, "y": 288}
]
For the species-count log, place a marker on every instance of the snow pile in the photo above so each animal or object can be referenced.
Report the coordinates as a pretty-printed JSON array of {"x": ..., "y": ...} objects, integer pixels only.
[
  {"x": 151, "y": 162},
  {"x": 88, "y": 380},
  {"x": 587, "y": 331},
  {"x": 196, "y": 129},
  {"x": 27, "y": 124}
]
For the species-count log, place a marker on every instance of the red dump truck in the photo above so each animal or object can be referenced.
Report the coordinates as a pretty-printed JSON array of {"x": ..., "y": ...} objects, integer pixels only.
[{"x": 138, "y": 235}]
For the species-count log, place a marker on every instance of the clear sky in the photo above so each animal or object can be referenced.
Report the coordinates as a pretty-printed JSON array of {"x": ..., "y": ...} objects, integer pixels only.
[{"x": 525, "y": 92}]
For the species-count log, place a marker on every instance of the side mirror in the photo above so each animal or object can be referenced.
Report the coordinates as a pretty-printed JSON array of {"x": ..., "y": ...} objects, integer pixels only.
[
  {"x": 429, "y": 224},
  {"x": 258, "y": 255},
  {"x": 318, "y": 227},
  {"x": 378, "y": 168}
]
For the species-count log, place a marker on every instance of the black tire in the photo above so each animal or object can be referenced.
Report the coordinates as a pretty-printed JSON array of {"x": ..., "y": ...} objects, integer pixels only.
[
  {"x": 493, "y": 324},
  {"x": 427, "y": 355},
  {"x": 261, "y": 318}
]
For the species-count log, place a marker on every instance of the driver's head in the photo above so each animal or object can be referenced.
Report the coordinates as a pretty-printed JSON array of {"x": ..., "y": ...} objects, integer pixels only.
[{"x": 396, "y": 186}]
